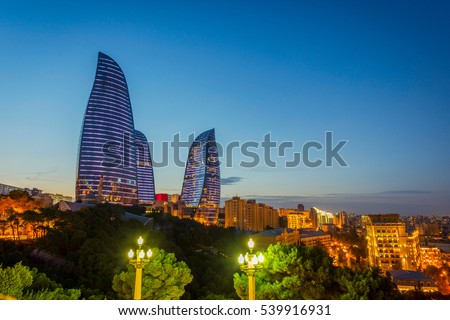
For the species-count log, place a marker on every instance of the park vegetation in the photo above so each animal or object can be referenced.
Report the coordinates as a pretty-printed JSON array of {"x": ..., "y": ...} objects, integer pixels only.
[{"x": 83, "y": 255}]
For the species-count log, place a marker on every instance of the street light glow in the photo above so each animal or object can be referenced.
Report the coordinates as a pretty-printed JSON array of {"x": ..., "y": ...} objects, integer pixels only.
[
  {"x": 251, "y": 244},
  {"x": 261, "y": 258},
  {"x": 250, "y": 264},
  {"x": 139, "y": 263}
]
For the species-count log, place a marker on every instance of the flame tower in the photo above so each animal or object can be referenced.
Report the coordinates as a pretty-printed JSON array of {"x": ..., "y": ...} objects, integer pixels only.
[
  {"x": 108, "y": 165},
  {"x": 201, "y": 184}
]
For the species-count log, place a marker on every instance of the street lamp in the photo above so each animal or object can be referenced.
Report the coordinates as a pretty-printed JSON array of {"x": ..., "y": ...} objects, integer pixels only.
[
  {"x": 250, "y": 264},
  {"x": 141, "y": 260}
]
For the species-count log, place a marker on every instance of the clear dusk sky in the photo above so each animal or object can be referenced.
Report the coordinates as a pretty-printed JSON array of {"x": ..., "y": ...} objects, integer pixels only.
[{"x": 374, "y": 73}]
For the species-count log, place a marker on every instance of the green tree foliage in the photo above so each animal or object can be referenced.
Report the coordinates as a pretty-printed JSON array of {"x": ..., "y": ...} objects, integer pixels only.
[
  {"x": 44, "y": 288},
  {"x": 291, "y": 272},
  {"x": 56, "y": 294},
  {"x": 14, "y": 280},
  {"x": 365, "y": 285},
  {"x": 22, "y": 283},
  {"x": 301, "y": 272},
  {"x": 164, "y": 278},
  {"x": 210, "y": 252},
  {"x": 93, "y": 244}
]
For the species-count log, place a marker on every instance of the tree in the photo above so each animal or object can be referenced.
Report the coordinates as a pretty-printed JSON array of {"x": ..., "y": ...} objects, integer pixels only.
[
  {"x": 13, "y": 280},
  {"x": 22, "y": 283},
  {"x": 301, "y": 272},
  {"x": 164, "y": 278},
  {"x": 366, "y": 285},
  {"x": 35, "y": 220},
  {"x": 440, "y": 277},
  {"x": 56, "y": 294},
  {"x": 291, "y": 272}
]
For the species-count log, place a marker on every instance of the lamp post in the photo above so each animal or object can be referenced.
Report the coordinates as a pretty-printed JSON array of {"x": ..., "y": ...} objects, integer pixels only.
[
  {"x": 141, "y": 260},
  {"x": 250, "y": 264}
]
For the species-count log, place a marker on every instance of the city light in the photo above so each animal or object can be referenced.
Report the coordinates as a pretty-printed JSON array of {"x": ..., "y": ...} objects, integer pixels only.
[
  {"x": 250, "y": 264},
  {"x": 139, "y": 263}
]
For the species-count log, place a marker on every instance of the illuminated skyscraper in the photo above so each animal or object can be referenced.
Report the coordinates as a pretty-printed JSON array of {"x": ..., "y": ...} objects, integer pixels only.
[
  {"x": 201, "y": 185},
  {"x": 107, "y": 159},
  {"x": 145, "y": 179}
]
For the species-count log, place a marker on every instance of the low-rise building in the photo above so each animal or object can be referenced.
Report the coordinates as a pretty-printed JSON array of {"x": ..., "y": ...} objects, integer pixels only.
[
  {"x": 407, "y": 280},
  {"x": 273, "y": 236},
  {"x": 311, "y": 237},
  {"x": 431, "y": 256}
]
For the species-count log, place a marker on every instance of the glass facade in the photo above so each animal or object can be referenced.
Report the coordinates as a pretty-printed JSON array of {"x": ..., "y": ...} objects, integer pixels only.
[
  {"x": 145, "y": 179},
  {"x": 107, "y": 160},
  {"x": 201, "y": 184}
]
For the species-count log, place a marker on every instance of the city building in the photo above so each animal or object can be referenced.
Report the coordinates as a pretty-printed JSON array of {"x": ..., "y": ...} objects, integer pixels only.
[
  {"x": 175, "y": 197},
  {"x": 297, "y": 220},
  {"x": 145, "y": 177},
  {"x": 235, "y": 209},
  {"x": 329, "y": 228},
  {"x": 310, "y": 237},
  {"x": 273, "y": 236},
  {"x": 306, "y": 237},
  {"x": 407, "y": 280},
  {"x": 6, "y": 189},
  {"x": 114, "y": 164},
  {"x": 250, "y": 215},
  {"x": 170, "y": 204},
  {"x": 201, "y": 184},
  {"x": 443, "y": 245},
  {"x": 431, "y": 256},
  {"x": 72, "y": 206},
  {"x": 390, "y": 245},
  {"x": 320, "y": 217},
  {"x": 162, "y": 197},
  {"x": 283, "y": 212}
]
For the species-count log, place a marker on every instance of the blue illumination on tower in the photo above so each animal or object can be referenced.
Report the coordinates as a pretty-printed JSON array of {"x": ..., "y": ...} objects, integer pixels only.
[
  {"x": 201, "y": 185},
  {"x": 107, "y": 161},
  {"x": 145, "y": 179}
]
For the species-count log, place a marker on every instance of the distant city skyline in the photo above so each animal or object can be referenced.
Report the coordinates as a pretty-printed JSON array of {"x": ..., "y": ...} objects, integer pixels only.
[{"x": 374, "y": 74}]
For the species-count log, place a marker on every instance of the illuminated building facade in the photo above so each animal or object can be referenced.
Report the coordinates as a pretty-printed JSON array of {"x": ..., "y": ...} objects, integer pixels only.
[
  {"x": 201, "y": 184},
  {"x": 312, "y": 238},
  {"x": 431, "y": 256},
  {"x": 390, "y": 246},
  {"x": 107, "y": 160},
  {"x": 234, "y": 212},
  {"x": 145, "y": 178},
  {"x": 297, "y": 220},
  {"x": 320, "y": 217},
  {"x": 273, "y": 236},
  {"x": 250, "y": 215}
]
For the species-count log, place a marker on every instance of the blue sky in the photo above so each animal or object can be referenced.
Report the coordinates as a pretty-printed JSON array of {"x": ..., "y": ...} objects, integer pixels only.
[{"x": 376, "y": 74}]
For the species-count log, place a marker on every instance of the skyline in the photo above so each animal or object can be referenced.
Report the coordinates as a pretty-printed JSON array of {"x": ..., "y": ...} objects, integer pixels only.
[{"x": 376, "y": 75}]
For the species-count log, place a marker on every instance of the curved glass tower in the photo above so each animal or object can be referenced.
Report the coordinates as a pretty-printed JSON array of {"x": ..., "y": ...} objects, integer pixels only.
[
  {"x": 145, "y": 179},
  {"x": 107, "y": 169},
  {"x": 201, "y": 184}
]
